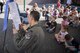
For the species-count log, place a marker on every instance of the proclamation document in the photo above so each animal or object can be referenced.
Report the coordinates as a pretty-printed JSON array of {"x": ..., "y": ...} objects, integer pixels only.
[{"x": 15, "y": 14}]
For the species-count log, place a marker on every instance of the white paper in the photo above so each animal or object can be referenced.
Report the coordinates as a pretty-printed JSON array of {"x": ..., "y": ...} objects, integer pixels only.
[{"x": 15, "y": 14}]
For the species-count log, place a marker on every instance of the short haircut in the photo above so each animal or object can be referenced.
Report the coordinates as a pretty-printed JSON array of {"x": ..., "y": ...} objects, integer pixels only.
[
  {"x": 35, "y": 15},
  {"x": 27, "y": 9},
  {"x": 65, "y": 17},
  {"x": 68, "y": 37}
]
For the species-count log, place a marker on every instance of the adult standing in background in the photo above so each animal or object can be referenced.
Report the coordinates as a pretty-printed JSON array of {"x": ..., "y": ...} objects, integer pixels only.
[
  {"x": 59, "y": 3},
  {"x": 1, "y": 5},
  {"x": 35, "y": 7}
]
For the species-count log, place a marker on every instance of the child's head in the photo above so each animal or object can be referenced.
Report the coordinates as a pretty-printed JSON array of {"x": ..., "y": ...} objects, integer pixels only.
[
  {"x": 53, "y": 18},
  {"x": 35, "y": 5},
  {"x": 65, "y": 17},
  {"x": 68, "y": 6},
  {"x": 49, "y": 7},
  {"x": 43, "y": 6},
  {"x": 68, "y": 37},
  {"x": 75, "y": 8},
  {"x": 27, "y": 9}
]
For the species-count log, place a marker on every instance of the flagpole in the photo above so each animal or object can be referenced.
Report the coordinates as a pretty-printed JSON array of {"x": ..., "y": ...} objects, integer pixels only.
[
  {"x": 24, "y": 5},
  {"x": 5, "y": 34},
  {"x": 4, "y": 41}
]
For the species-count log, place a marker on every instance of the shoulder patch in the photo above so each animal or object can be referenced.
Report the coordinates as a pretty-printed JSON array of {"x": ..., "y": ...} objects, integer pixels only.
[{"x": 28, "y": 35}]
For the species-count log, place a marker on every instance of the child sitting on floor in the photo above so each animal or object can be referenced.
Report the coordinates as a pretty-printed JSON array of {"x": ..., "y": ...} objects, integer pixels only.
[
  {"x": 65, "y": 22},
  {"x": 71, "y": 44},
  {"x": 75, "y": 23},
  {"x": 61, "y": 35},
  {"x": 51, "y": 25}
]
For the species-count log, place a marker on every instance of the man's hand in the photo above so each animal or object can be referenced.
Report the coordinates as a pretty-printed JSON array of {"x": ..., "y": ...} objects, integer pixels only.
[
  {"x": 20, "y": 26},
  {"x": 24, "y": 26}
]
